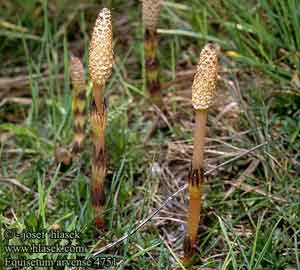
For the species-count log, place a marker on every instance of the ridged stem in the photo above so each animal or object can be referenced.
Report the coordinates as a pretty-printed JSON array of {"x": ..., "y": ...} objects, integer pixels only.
[
  {"x": 98, "y": 123},
  {"x": 195, "y": 181},
  {"x": 152, "y": 68},
  {"x": 79, "y": 120}
]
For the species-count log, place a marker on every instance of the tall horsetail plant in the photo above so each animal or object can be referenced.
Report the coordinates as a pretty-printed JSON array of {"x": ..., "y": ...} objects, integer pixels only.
[
  {"x": 150, "y": 12},
  {"x": 100, "y": 67},
  {"x": 78, "y": 103},
  {"x": 203, "y": 90}
]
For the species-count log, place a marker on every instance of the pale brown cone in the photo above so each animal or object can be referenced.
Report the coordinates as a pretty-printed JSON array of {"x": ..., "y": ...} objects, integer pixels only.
[
  {"x": 101, "y": 49},
  {"x": 205, "y": 80},
  {"x": 151, "y": 11}
]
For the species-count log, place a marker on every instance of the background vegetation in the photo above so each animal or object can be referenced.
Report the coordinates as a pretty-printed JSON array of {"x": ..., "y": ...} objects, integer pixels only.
[{"x": 251, "y": 208}]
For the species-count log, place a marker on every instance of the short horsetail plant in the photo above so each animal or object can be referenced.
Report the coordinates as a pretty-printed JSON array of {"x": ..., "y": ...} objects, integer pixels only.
[
  {"x": 78, "y": 103},
  {"x": 203, "y": 89},
  {"x": 100, "y": 67},
  {"x": 151, "y": 11},
  {"x": 64, "y": 156}
]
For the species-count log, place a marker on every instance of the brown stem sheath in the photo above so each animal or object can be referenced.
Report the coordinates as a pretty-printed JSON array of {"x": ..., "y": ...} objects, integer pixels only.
[
  {"x": 98, "y": 96},
  {"x": 152, "y": 68}
]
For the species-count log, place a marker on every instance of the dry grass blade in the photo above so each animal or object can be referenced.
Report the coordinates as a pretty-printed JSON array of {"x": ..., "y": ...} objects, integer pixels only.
[
  {"x": 248, "y": 188},
  {"x": 16, "y": 100},
  {"x": 251, "y": 168}
]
